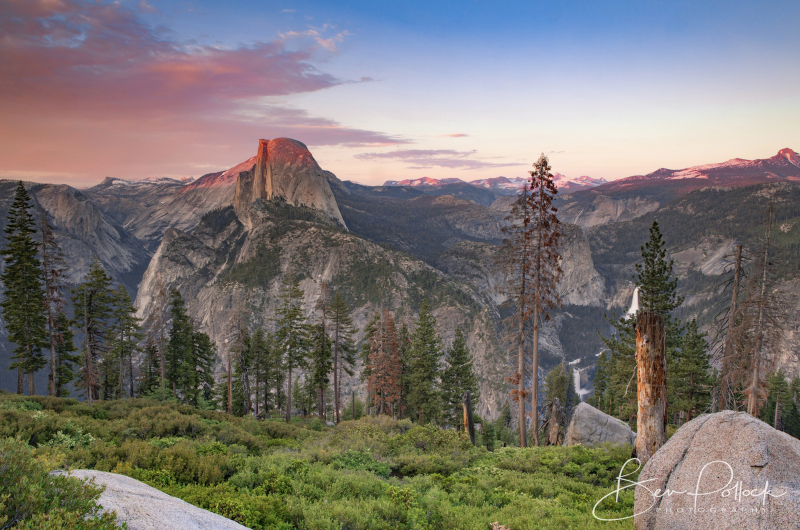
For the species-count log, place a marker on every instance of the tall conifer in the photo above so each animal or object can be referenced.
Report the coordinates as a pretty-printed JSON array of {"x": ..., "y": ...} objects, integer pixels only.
[
  {"x": 458, "y": 377},
  {"x": 291, "y": 335},
  {"x": 344, "y": 352},
  {"x": 92, "y": 301},
  {"x": 426, "y": 348},
  {"x": 24, "y": 303}
]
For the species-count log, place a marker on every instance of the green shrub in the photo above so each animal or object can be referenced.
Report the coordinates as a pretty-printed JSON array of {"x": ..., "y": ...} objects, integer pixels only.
[
  {"x": 361, "y": 460},
  {"x": 32, "y": 498},
  {"x": 20, "y": 405},
  {"x": 72, "y": 437}
]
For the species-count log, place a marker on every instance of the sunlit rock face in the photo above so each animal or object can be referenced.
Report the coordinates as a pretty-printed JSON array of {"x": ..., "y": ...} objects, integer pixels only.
[{"x": 285, "y": 168}]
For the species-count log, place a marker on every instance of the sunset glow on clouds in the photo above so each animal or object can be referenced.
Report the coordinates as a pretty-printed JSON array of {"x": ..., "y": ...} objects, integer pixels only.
[{"x": 138, "y": 89}]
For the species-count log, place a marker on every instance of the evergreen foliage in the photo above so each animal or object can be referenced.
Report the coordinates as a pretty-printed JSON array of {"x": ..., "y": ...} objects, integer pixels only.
[
  {"x": 92, "y": 300},
  {"x": 291, "y": 336},
  {"x": 692, "y": 376},
  {"x": 24, "y": 303},
  {"x": 150, "y": 368},
  {"x": 126, "y": 333},
  {"x": 344, "y": 351},
  {"x": 190, "y": 356},
  {"x": 657, "y": 292},
  {"x": 66, "y": 359},
  {"x": 54, "y": 268},
  {"x": 424, "y": 399},
  {"x": 458, "y": 377}
]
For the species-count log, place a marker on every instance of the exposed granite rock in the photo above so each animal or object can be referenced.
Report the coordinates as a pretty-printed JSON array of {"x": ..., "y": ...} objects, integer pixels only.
[
  {"x": 285, "y": 168},
  {"x": 143, "y": 507},
  {"x": 590, "y": 427},
  {"x": 733, "y": 455}
]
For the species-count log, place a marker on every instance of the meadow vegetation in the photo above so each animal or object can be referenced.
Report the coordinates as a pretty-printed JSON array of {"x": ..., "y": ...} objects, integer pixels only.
[{"x": 372, "y": 473}]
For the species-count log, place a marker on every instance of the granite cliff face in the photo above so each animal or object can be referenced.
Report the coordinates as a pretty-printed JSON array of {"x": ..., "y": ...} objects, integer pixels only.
[
  {"x": 228, "y": 239},
  {"x": 284, "y": 168},
  {"x": 222, "y": 268}
]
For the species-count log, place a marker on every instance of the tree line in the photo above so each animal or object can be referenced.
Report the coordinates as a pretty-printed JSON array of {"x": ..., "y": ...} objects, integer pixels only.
[
  {"x": 744, "y": 344},
  {"x": 300, "y": 362}
]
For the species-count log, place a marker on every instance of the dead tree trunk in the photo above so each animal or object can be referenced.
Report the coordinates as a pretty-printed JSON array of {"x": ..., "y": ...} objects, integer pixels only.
[
  {"x": 651, "y": 370},
  {"x": 727, "y": 347},
  {"x": 755, "y": 384}
]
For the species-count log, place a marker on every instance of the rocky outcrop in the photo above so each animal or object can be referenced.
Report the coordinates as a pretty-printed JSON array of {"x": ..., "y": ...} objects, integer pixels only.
[
  {"x": 143, "y": 507},
  {"x": 221, "y": 269},
  {"x": 590, "y": 427},
  {"x": 746, "y": 473},
  {"x": 284, "y": 168},
  {"x": 604, "y": 209},
  {"x": 83, "y": 231}
]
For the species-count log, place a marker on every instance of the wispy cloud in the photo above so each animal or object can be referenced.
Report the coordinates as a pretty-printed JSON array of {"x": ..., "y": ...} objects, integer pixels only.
[
  {"x": 454, "y": 135},
  {"x": 322, "y": 36},
  {"x": 428, "y": 158},
  {"x": 99, "y": 89}
]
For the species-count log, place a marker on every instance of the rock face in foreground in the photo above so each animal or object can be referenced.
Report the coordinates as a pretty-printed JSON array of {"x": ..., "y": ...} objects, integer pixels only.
[
  {"x": 146, "y": 508},
  {"x": 747, "y": 472},
  {"x": 590, "y": 426}
]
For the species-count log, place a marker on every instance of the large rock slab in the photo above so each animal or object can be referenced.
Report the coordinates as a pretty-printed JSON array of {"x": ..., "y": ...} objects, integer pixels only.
[
  {"x": 590, "y": 427},
  {"x": 727, "y": 470},
  {"x": 146, "y": 508}
]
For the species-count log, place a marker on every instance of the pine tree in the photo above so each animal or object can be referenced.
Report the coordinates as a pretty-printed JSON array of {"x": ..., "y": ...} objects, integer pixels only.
[
  {"x": 779, "y": 399},
  {"x": 658, "y": 293},
  {"x": 365, "y": 349},
  {"x": 54, "y": 268},
  {"x": 179, "y": 346},
  {"x": 321, "y": 353},
  {"x": 242, "y": 354},
  {"x": 66, "y": 360},
  {"x": 156, "y": 324},
  {"x": 654, "y": 277},
  {"x": 150, "y": 370},
  {"x": 404, "y": 349},
  {"x": 556, "y": 388},
  {"x": 24, "y": 303},
  {"x": 458, "y": 377},
  {"x": 291, "y": 335},
  {"x": 546, "y": 265},
  {"x": 261, "y": 353},
  {"x": 126, "y": 333},
  {"x": 204, "y": 358},
  {"x": 385, "y": 370},
  {"x": 344, "y": 352},
  {"x": 516, "y": 261},
  {"x": 92, "y": 301},
  {"x": 426, "y": 349},
  {"x": 692, "y": 378},
  {"x": 320, "y": 365}
]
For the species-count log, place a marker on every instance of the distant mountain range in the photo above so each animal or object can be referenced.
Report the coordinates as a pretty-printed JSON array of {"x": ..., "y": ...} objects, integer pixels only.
[
  {"x": 228, "y": 239},
  {"x": 501, "y": 185}
]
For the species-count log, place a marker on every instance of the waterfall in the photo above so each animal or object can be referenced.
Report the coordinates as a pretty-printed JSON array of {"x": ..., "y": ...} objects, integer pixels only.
[
  {"x": 576, "y": 379},
  {"x": 634, "y": 304}
]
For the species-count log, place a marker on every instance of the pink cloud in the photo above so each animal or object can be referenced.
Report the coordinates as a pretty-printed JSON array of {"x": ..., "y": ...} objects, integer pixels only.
[
  {"x": 428, "y": 158},
  {"x": 78, "y": 77}
]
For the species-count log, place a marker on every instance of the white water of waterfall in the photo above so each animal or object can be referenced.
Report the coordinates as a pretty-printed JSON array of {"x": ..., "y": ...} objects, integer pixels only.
[{"x": 576, "y": 376}]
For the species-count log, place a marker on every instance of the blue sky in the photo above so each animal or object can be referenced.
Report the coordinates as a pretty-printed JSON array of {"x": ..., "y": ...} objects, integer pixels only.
[{"x": 388, "y": 90}]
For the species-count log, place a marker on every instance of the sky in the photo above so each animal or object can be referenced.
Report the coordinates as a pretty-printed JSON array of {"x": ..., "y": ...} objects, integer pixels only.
[{"x": 393, "y": 90}]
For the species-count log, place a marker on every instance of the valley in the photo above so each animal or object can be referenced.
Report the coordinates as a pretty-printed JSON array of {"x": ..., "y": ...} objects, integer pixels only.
[{"x": 227, "y": 241}]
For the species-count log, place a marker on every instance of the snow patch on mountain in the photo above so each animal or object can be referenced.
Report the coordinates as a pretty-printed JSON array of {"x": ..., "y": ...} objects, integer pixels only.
[{"x": 502, "y": 183}]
